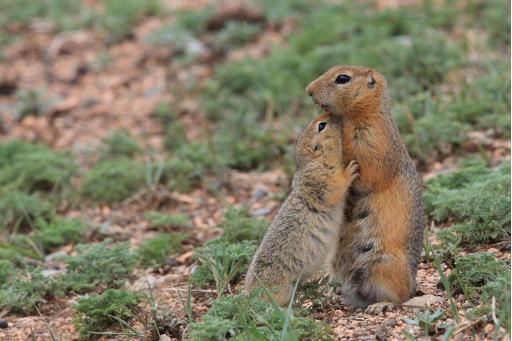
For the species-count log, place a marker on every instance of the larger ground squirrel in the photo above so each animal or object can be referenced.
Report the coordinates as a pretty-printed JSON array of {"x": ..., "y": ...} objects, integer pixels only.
[
  {"x": 381, "y": 242},
  {"x": 306, "y": 228}
]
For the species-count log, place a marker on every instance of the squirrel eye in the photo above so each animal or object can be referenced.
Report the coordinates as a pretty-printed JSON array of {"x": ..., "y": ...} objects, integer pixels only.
[
  {"x": 342, "y": 79},
  {"x": 321, "y": 126}
]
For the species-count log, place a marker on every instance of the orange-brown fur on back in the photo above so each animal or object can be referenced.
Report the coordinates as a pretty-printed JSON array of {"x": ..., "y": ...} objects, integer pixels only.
[{"x": 381, "y": 242}]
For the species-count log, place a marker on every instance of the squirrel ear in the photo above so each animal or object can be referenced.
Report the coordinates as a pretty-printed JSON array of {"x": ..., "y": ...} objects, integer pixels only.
[{"x": 370, "y": 81}]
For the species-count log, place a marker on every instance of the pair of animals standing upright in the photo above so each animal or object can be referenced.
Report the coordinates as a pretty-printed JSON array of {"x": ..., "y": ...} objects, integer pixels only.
[{"x": 355, "y": 200}]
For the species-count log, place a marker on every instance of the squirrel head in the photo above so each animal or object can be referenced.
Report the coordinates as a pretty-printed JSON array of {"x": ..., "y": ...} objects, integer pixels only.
[
  {"x": 319, "y": 144},
  {"x": 347, "y": 91}
]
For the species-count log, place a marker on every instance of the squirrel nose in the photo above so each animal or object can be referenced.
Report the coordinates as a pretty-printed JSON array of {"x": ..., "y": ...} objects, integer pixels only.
[{"x": 309, "y": 91}]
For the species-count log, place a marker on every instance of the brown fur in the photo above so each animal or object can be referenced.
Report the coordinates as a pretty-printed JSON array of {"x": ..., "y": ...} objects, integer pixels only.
[
  {"x": 381, "y": 241},
  {"x": 306, "y": 228}
]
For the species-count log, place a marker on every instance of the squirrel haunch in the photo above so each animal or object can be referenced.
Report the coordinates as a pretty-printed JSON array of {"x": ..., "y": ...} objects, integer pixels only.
[
  {"x": 381, "y": 242},
  {"x": 306, "y": 227}
]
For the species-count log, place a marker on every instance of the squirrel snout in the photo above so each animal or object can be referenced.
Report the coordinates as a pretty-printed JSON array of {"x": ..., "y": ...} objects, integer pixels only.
[{"x": 309, "y": 91}]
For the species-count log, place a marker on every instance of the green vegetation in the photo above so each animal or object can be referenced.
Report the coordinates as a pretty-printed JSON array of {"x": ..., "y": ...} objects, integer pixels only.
[
  {"x": 238, "y": 226},
  {"x": 19, "y": 207},
  {"x": 57, "y": 232},
  {"x": 414, "y": 54},
  {"x": 30, "y": 103},
  {"x": 32, "y": 167},
  {"x": 175, "y": 221},
  {"x": 425, "y": 320},
  {"x": 477, "y": 197},
  {"x": 154, "y": 251},
  {"x": 212, "y": 329},
  {"x": 121, "y": 143},
  {"x": 25, "y": 289},
  {"x": 244, "y": 317},
  {"x": 236, "y": 34},
  {"x": 222, "y": 262},
  {"x": 32, "y": 179},
  {"x": 476, "y": 270},
  {"x": 121, "y": 15},
  {"x": 224, "y": 259},
  {"x": 111, "y": 181},
  {"x": 67, "y": 14},
  {"x": 98, "y": 264},
  {"x": 318, "y": 293},
  {"x": 94, "y": 312}
]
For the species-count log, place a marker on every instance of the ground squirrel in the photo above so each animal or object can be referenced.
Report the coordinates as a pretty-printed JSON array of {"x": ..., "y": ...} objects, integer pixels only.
[
  {"x": 306, "y": 228},
  {"x": 382, "y": 237}
]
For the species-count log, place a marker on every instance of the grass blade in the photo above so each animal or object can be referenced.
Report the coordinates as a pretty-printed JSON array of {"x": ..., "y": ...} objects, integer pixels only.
[
  {"x": 47, "y": 325},
  {"x": 21, "y": 251},
  {"x": 446, "y": 284}
]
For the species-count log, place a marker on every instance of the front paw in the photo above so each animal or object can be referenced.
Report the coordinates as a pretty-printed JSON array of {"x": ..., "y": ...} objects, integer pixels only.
[
  {"x": 352, "y": 168},
  {"x": 380, "y": 307}
]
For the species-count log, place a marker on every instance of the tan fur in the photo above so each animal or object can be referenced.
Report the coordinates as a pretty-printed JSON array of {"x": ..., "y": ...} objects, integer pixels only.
[
  {"x": 381, "y": 241},
  {"x": 306, "y": 228}
]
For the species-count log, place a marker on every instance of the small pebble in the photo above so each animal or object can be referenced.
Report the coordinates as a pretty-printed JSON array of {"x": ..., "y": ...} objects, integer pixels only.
[
  {"x": 259, "y": 193},
  {"x": 489, "y": 328},
  {"x": 3, "y": 324}
]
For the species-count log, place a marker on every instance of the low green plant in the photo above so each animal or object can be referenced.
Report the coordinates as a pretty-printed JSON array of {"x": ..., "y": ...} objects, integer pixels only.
[
  {"x": 427, "y": 321},
  {"x": 96, "y": 312},
  {"x": 178, "y": 175},
  {"x": 175, "y": 136},
  {"x": 477, "y": 197},
  {"x": 19, "y": 208},
  {"x": 27, "y": 288},
  {"x": 222, "y": 262},
  {"x": 111, "y": 181},
  {"x": 252, "y": 317},
  {"x": 6, "y": 270},
  {"x": 195, "y": 21},
  {"x": 121, "y": 143},
  {"x": 98, "y": 264},
  {"x": 153, "y": 251},
  {"x": 476, "y": 270},
  {"x": 66, "y": 14},
  {"x": 120, "y": 16},
  {"x": 499, "y": 289},
  {"x": 58, "y": 231},
  {"x": 318, "y": 293},
  {"x": 172, "y": 35},
  {"x": 176, "y": 221},
  {"x": 238, "y": 226},
  {"x": 212, "y": 329},
  {"x": 14, "y": 258},
  {"x": 236, "y": 34},
  {"x": 278, "y": 11},
  {"x": 30, "y": 167},
  {"x": 30, "y": 103}
]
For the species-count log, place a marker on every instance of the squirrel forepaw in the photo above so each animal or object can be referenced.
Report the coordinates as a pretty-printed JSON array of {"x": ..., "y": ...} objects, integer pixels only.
[
  {"x": 352, "y": 168},
  {"x": 380, "y": 307}
]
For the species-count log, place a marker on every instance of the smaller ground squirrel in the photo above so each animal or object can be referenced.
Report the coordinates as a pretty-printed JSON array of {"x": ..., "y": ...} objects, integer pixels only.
[
  {"x": 306, "y": 229},
  {"x": 382, "y": 236}
]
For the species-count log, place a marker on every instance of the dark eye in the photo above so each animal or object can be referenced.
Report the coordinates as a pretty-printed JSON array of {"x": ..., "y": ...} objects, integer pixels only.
[
  {"x": 342, "y": 79},
  {"x": 321, "y": 126}
]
